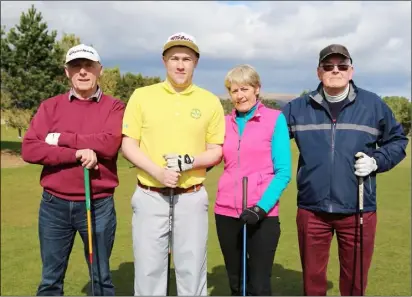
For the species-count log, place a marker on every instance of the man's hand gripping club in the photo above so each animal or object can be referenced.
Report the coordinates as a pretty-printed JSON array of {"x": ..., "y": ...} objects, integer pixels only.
[
  {"x": 364, "y": 164},
  {"x": 167, "y": 177}
]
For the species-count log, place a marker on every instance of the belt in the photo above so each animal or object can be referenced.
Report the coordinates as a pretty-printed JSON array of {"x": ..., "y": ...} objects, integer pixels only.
[{"x": 166, "y": 191}]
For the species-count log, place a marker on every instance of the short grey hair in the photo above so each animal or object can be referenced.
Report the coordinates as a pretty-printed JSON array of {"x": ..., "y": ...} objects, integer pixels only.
[{"x": 242, "y": 74}]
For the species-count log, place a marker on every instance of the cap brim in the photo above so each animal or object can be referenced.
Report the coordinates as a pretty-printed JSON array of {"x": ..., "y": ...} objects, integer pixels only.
[
  {"x": 327, "y": 55},
  {"x": 188, "y": 44},
  {"x": 86, "y": 58}
]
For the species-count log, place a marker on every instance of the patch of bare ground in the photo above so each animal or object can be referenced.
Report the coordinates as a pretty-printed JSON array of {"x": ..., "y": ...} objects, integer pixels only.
[{"x": 10, "y": 159}]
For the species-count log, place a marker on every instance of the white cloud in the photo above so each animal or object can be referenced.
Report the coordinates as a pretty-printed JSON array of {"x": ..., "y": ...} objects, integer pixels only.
[{"x": 377, "y": 34}]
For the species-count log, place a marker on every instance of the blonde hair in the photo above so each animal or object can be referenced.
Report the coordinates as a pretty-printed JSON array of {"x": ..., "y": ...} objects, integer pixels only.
[{"x": 242, "y": 75}]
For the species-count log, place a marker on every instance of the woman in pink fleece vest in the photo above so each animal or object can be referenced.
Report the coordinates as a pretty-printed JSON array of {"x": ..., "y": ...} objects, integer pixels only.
[{"x": 256, "y": 146}]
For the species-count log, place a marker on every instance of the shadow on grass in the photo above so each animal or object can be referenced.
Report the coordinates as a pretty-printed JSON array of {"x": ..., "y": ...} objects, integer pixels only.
[
  {"x": 285, "y": 282},
  {"x": 13, "y": 147}
]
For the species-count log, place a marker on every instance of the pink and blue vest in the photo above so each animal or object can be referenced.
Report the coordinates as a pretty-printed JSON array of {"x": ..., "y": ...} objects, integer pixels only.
[{"x": 248, "y": 155}]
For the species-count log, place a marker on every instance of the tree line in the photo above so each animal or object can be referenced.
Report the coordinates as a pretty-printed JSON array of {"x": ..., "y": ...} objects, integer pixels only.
[{"x": 32, "y": 60}]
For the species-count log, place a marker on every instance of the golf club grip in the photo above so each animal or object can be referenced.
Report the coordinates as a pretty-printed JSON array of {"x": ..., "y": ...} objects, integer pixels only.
[
  {"x": 171, "y": 202},
  {"x": 169, "y": 255},
  {"x": 87, "y": 186},
  {"x": 244, "y": 195},
  {"x": 360, "y": 194}
]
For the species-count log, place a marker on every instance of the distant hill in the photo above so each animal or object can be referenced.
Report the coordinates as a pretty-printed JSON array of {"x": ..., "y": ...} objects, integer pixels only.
[{"x": 281, "y": 99}]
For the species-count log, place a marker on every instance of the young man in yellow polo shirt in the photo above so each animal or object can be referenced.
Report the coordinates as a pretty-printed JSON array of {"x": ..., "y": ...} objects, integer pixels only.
[{"x": 172, "y": 131}]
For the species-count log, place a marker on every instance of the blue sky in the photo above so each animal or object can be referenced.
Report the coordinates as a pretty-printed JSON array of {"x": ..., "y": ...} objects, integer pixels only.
[{"x": 280, "y": 39}]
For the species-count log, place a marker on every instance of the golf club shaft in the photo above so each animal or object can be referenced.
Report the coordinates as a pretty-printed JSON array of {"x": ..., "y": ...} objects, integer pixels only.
[
  {"x": 89, "y": 223},
  {"x": 169, "y": 255},
  {"x": 89, "y": 233},
  {"x": 361, "y": 232},
  {"x": 244, "y": 258}
]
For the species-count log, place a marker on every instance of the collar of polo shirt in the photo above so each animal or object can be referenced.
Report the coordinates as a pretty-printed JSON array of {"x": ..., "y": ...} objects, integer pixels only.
[
  {"x": 96, "y": 96},
  {"x": 168, "y": 86}
]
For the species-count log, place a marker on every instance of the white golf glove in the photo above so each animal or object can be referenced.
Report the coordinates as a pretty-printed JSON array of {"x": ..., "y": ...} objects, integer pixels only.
[
  {"x": 179, "y": 163},
  {"x": 364, "y": 165},
  {"x": 52, "y": 138}
]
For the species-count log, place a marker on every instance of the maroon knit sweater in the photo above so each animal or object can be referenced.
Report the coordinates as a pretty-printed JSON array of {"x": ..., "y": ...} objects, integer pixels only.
[{"x": 83, "y": 124}]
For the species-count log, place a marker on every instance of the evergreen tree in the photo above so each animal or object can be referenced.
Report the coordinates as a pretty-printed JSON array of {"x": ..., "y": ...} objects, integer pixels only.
[{"x": 31, "y": 63}]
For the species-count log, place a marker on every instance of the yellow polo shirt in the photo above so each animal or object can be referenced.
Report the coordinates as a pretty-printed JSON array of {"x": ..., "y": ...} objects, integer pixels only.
[{"x": 168, "y": 122}]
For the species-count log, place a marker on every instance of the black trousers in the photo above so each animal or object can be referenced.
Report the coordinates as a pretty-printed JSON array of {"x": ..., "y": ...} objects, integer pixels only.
[{"x": 261, "y": 244}]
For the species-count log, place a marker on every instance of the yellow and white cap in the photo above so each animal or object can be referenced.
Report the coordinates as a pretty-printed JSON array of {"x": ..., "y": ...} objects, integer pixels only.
[{"x": 181, "y": 39}]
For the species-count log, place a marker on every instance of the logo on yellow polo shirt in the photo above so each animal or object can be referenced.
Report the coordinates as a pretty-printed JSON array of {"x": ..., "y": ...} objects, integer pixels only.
[{"x": 195, "y": 113}]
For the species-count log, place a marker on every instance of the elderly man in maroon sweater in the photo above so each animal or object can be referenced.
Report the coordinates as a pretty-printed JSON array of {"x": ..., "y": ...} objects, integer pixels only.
[{"x": 81, "y": 128}]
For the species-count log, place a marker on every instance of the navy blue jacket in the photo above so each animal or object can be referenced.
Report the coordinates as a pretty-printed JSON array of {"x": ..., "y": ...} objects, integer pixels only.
[{"x": 325, "y": 178}]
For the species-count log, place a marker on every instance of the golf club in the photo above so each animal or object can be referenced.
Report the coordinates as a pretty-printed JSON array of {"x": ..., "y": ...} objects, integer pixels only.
[
  {"x": 89, "y": 223},
  {"x": 361, "y": 231},
  {"x": 244, "y": 256},
  {"x": 169, "y": 255}
]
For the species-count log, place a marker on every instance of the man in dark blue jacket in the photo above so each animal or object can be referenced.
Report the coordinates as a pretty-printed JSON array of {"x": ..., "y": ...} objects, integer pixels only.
[{"x": 343, "y": 133}]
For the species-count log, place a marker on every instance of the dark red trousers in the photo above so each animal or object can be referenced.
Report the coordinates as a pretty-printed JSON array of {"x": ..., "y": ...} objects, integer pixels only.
[{"x": 315, "y": 233}]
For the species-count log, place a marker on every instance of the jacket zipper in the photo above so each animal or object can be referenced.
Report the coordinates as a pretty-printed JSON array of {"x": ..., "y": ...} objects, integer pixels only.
[
  {"x": 332, "y": 160},
  {"x": 334, "y": 122},
  {"x": 333, "y": 128},
  {"x": 237, "y": 174},
  {"x": 238, "y": 161},
  {"x": 333, "y": 140},
  {"x": 238, "y": 164}
]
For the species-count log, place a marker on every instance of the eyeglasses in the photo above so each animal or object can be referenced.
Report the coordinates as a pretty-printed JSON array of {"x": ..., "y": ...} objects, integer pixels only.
[{"x": 330, "y": 67}]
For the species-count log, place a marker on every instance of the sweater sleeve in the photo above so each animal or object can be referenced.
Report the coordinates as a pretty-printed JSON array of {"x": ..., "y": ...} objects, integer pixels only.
[
  {"x": 34, "y": 148},
  {"x": 281, "y": 158}
]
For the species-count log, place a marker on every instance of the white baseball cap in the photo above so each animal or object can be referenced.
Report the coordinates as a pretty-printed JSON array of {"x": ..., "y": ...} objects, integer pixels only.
[
  {"x": 82, "y": 51},
  {"x": 181, "y": 39}
]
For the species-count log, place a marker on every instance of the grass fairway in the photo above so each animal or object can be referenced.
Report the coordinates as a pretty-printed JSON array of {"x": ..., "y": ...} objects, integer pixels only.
[{"x": 390, "y": 274}]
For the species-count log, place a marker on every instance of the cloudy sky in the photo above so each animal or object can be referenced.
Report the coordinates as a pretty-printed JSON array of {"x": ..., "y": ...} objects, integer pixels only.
[{"x": 281, "y": 40}]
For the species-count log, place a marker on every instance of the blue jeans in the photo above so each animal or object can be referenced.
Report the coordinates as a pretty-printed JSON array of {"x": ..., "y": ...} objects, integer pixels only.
[{"x": 59, "y": 220}]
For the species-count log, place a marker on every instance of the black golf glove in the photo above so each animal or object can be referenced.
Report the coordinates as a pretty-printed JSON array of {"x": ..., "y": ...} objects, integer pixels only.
[{"x": 252, "y": 215}]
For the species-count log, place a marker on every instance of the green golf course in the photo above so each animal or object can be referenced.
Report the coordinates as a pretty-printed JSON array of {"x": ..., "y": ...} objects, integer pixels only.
[{"x": 390, "y": 273}]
